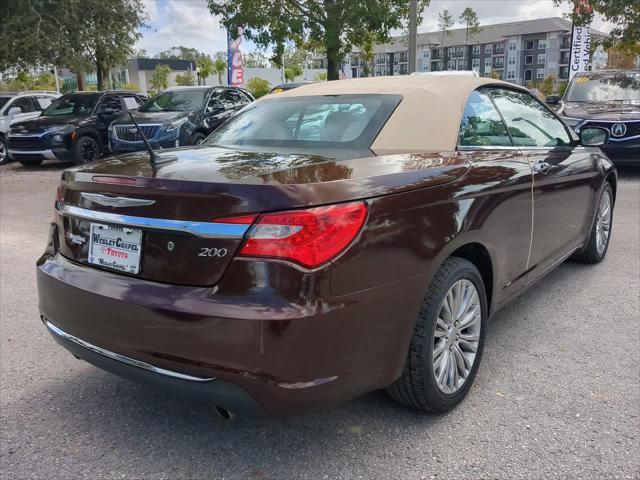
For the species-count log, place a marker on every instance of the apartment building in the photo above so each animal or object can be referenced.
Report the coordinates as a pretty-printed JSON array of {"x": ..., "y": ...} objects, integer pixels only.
[{"x": 519, "y": 52}]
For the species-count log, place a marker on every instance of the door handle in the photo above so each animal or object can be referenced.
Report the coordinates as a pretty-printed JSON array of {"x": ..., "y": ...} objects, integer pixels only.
[{"x": 541, "y": 167}]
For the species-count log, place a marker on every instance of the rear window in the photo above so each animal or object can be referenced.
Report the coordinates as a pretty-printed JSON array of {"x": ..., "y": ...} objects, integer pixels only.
[{"x": 338, "y": 121}]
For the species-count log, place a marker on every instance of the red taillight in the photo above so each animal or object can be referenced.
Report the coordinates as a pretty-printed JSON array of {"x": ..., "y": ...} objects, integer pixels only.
[{"x": 309, "y": 237}]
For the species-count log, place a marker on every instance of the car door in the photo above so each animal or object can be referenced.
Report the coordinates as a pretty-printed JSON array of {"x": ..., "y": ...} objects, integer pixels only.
[
  {"x": 110, "y": 107},
  {"x": 27, "y": 106},
  {"x": 502, "y": 192},
  {"x": 217, "y": 111},
  {"x": 563, "y": 173}
]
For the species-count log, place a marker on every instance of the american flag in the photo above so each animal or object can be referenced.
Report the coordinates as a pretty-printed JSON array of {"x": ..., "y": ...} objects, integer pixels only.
[{"x": 341, "y": 75}]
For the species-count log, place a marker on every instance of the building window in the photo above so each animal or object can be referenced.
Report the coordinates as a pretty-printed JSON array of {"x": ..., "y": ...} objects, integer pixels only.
[
  {"x": 487, "y": 48},
  {"x": 475, "y": 64},
  {"x": 540, "y": 73},
  {"x": 498, "y": 62},
  {"x": 542, "y": 44},
  {"x": 403, "y": 56},
  {"x": 499, "y": 47},
  {"x": 475, "y": 50},
  {"x": 487, "y": 64},
  {"x": 451, "y": 65},
  {"x": 528, "y": 59},
  {"x": 511, "y": 60},
  {"x": 541, "y": 58},
  {"x": 404, "y": 69},
  {"x": 529, "y": 45},
  {"x": 511, "y": 75},
  {"x": 513, "y": 45},
  {"x": 461, "y": 64}
]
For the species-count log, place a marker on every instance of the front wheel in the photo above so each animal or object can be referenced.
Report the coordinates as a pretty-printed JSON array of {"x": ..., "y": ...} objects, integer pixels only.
[
  {"x": 598, "y": 243},
  {"x": 447, "y": 342},
  {"x": 197, "y": 138},
  {"x": 86, "y": 150},
  {"x": 4, "y": 155}
]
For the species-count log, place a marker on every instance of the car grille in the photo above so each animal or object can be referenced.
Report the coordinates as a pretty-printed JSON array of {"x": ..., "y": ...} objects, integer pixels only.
[
  {"x": 633, "y": 128},
  {"x": 129, "y": 133},
  {"x": 27, "y": 143}
]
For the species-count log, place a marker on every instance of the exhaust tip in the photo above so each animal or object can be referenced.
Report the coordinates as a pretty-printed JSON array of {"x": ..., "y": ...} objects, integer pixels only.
[{"x": 224, "y": 413}]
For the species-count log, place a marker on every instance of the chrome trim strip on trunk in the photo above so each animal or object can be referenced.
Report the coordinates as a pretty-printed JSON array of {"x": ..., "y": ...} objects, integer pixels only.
[
  {"x": 121, "y": 358},
  {"x": 200, "y": 229}
]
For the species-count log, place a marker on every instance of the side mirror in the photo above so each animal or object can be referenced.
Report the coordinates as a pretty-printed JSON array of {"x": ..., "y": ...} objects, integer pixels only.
[
  {"x": 552, "y": 100},
  {"x": 13, "y": 111},
  {"x": 593, "y": 136}
]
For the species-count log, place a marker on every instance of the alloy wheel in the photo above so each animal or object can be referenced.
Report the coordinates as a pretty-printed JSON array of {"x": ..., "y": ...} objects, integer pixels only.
[
  {"x": 3, "y": 152},
  {"x": 603, "y": 222},
  {"x": 457, "y": 336},
  {"x": 89, "y": 151}
]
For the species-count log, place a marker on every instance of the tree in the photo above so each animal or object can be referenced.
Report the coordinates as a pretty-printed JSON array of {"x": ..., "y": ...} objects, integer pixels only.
[
  {"x": 366, "y": 55},
  {"x": 160, "y": 78},
  {"x": 471, "y": 23},
  {"x": 219, "y": 67},
  {"x": 258, "y": 87},
  {"x": 624, "y": 14},
  {"x": 256, "y": 60},
  {"x": 205, "y": 69},
  {"x": 546, "y": 87},
  {"x": 334, "y": 26},
  {"x": 619, "y": 59},
  {"x": 185, "y": 79},
  {"x": 445, "y": 22},
  {"x": 291, "y": 73},
  {"x": 79, "y": 34}
]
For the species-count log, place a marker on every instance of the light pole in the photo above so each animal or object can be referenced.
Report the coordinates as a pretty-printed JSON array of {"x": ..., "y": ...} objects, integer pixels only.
[{"x": 413, "y": 32}]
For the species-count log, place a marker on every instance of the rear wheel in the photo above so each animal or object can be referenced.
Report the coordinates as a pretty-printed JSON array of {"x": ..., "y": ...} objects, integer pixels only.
[
  {"x": 197, "y": 138},
  {"x": 4, "y": 156},
  {"x": 86, "y": 150},
  {"x": 447, "y": 342},
  {"x": 598, "y": 243}
]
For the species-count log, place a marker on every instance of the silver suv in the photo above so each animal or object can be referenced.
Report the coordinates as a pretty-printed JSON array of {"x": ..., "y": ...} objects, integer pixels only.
[{"x": 19, "y": 106}]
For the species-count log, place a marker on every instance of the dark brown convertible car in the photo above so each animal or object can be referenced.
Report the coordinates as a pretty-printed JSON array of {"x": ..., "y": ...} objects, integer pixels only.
[{"x": 329, "y": 241}]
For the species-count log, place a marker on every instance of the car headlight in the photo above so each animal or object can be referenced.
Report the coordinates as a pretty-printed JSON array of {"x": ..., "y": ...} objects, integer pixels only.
[
  {"x": 572, "y": 122},
  {"x": 57, "y": 138},
  {"x": 175, "y": 125}
]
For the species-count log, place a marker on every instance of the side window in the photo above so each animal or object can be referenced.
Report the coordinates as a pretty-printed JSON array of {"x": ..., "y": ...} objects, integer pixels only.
[
  {"x": 111, "y": 101},
  {"x": 481, "y": 124},
  {"x": 26, "y": 104},
  {"x": 530, "y": 123},
  {"x": 43, "y": 102},
  {"x": 234, "y": 98},
  {"x": 216, "y": 100}
]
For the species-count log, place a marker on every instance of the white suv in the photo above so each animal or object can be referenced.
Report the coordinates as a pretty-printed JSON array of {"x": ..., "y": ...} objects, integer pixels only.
[{"x": 19, "y": 106}]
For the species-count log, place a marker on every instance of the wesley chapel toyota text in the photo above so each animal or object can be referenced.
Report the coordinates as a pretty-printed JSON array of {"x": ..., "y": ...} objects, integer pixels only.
[{"x": 328, "y": 241}]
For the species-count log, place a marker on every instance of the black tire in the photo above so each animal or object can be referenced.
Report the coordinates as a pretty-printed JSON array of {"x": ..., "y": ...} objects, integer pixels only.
[
  {"x": 30, "y": 163},
  {"x": 591, "y": 253},
  {"x": 4, "y": 154},
  {"x": 86, "y": 150},
  {"x": 417, "y": 387},
  {"x": 197, "y": 138}
]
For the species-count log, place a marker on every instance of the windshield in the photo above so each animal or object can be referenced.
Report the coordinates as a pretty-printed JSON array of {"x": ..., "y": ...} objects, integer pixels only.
[
  {"x": 73, "y": 104},
  {"x": 176, "y": 101},
  {"x": 340, "y": 121},
  {"x": 3, "y": 101},
  {"x": 615, "y": 88}
]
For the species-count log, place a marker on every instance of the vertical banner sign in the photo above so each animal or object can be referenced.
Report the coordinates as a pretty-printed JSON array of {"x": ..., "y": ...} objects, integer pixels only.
[
  {"x": 235, "y": 64},
  {"x": 580, "y": 41}
]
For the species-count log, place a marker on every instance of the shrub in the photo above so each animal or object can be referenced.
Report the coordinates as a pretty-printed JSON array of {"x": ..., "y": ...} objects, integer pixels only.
[
  {"x": 258, "y": 87},
  {"x": 321, "y": 77},
  {"x": 185, "y": 79},
  {"x": 131, "y": 86}
]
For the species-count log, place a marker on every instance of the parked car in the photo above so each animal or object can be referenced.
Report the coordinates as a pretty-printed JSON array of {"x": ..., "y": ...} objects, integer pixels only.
[
  {"x": 283, "y": 87},
  {"x": 607, "y": 99},
  {"x": 72, "y": 129},
  {"x": 179, "y": 116},
  {"x": 273, "y": 274},
  {"x": 18, "y": 106}
]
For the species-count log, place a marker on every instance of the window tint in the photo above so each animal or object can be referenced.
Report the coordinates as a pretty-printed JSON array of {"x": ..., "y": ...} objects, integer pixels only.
[
  {"x": 341, "y": 119},
  {"x": 530, "y": 123},
  {"x": 73, "y": 104},
  {"x": 26, "y": 104},
  {"x": 481, "y": 124},
  {"x": 111, "y": 101},
  {"x": 43, "y": 102},
  {"x": 176, "y": 101},
  {"x": 216, "y": 100},
  {"x": 235, "y": 98}
]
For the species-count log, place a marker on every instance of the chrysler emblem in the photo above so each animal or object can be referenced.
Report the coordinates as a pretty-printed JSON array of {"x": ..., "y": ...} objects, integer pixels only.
[
  {"x": 109, "y": 201},
  {"x": 618, "y": 129}
]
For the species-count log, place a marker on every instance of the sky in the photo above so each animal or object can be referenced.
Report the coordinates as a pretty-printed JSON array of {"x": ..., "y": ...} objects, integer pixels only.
[{"x": 189, "y": 23}]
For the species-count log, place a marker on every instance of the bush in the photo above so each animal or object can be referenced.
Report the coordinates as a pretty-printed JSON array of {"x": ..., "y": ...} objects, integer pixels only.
[
  {"x": 134, "y": 87},
  {"x": 258, "y": 87},
  {"x": 321, "y": 77},
  {"x": 185, "y": 79},
  {"x": 547, "y": 85},
  {"x": 562, "y": 87}
]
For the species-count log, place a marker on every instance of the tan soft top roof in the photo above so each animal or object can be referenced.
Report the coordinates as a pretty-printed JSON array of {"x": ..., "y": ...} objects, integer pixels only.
[{"x": 427, "y": 118}]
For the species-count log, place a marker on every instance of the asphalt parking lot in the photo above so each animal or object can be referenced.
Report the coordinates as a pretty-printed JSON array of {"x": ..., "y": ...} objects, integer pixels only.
[{"x": 557, "y": 395}]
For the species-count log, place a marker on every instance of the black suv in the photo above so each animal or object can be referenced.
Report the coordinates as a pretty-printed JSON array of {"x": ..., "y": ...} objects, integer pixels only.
[
  {"x": 178, "y": 116},
  {"x": 608, "y": 99},
  {"x": 73, "y": 128}
]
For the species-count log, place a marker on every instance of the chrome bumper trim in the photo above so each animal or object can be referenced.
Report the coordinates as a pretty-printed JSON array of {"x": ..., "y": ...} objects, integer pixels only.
[
  {"x": 121, "y": 358},
  {"x": 200, "y": 229},
  {"x": 48, "y": 154}
]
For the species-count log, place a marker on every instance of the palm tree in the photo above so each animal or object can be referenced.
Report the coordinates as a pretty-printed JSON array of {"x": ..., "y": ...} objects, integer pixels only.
[
  {"x": 205, "y": 69},
  {"x": 219, "y": 67}
]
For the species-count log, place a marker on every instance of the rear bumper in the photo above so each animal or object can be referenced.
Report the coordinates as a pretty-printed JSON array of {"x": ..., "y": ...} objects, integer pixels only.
[
  {"x": 223, "y": 394},
  {"x": 284, "y": 351}
]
